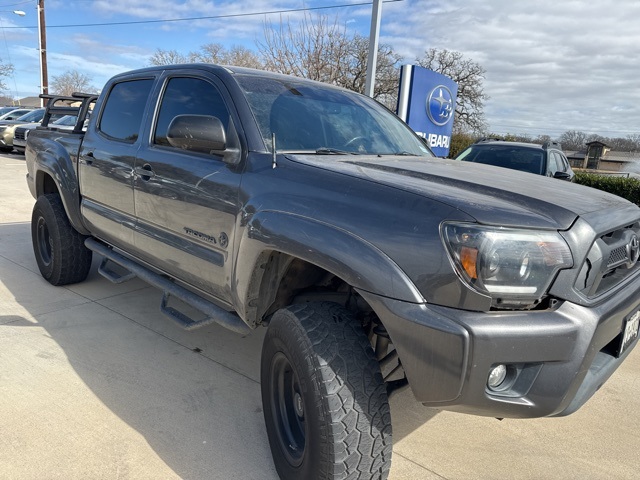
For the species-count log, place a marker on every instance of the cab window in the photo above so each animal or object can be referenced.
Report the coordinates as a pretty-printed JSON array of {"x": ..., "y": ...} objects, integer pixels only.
[
  {"x": 188, "y": 96},
  {"x": 121, "y": 118}
]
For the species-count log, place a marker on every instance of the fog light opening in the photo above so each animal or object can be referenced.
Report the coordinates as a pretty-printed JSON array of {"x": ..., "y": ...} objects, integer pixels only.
[{"x": 497, "y": 376}]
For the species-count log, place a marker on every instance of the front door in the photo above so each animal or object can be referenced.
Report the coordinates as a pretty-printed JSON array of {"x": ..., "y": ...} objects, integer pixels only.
[{"x": 187, "y": 202}]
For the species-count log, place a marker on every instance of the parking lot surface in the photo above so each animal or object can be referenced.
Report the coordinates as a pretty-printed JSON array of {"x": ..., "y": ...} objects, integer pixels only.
[{"x": 96, "y": 384}]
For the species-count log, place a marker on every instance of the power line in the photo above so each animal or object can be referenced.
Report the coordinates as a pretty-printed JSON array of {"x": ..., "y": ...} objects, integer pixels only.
[
  {"x": 15, "y": 4},
  {"x": 212, "y": 17}
]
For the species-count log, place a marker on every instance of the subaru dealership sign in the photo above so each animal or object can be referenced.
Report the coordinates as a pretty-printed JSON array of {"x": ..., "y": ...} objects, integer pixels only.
[{"x": 427, "y": 102}]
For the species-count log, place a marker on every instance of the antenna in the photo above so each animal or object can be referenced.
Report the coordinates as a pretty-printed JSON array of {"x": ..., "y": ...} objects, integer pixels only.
[{"x": 273, "y": 150}]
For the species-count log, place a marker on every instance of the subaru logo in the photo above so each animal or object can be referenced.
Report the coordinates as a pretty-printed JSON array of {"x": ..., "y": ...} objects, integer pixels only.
[
  {"x": 440, "y": 105},
  {"x": 633, "y": 251}
]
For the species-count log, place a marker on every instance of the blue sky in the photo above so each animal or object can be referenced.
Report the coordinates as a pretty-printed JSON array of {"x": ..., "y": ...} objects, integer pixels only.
[{"x": 550, "y": 66}]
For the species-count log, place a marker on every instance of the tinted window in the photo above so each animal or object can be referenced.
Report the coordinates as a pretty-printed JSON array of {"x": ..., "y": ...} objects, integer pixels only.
[
  {"x": 188, "y": 96},
  {"x": 122, "y": 114},
  {"x": 306, "y": 116},
  {"x": 506, "y": 156}
]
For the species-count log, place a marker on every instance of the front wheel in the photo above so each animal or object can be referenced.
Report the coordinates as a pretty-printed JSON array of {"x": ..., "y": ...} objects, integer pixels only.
[
  {"x": 59, "y": 249},
  {"x": 325, "y": 404}
]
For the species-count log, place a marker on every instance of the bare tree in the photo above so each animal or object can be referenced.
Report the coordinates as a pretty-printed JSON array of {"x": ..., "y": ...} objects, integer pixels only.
[
  {"x": 573, "y": 140},
  {"x": 167, "y": 57},
  {"x": 6, "y": 70},
  {"x": 594, "y": 137},
  {"x": 315, "y": 49},
  {"x": 236, "y": 55},
  {"x": 623, "y": 144},
  {"x": 635, "y": 141},
  {"x": 320, "y": 49},
  {"x": 387, "y": 71},
  {"x": 469, "y": 76},
  {"x": 576, "y": 140},
  {"x": 71, "y": 81},
  {"x": 209, "y": 53}
]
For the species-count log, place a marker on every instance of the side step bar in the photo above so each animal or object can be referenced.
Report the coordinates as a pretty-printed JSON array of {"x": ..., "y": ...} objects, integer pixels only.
[{"x": 215, "y": 314}]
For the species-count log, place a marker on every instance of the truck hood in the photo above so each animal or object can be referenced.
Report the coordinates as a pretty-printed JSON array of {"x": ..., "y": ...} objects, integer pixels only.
[{"x": 491, "y": 195}]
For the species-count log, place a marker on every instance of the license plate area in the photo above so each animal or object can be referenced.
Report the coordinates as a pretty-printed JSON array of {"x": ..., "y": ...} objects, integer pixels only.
[{"x": 629, "y": 332}]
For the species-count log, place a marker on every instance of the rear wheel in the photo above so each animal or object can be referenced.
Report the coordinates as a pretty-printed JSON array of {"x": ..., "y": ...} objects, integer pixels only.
[
  {"x": 59, "y": 249},
  {"x": 325, "y": 403}
]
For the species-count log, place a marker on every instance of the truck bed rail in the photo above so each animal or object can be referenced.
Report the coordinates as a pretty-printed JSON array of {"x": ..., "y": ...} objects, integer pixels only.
[{"x": 78, "y": 104}]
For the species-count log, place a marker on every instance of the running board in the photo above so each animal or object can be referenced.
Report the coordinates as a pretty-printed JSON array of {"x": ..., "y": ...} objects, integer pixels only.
[{"x": 214, "y": 313}]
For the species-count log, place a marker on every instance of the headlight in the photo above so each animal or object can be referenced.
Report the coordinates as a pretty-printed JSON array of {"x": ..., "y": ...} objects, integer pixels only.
[
  {"x": 514, "y": 267},
  {"x": 26, "y": 134}
]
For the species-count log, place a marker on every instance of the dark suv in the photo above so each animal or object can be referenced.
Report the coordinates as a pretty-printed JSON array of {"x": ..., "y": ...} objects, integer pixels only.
[{"x": 546, "y": 159}]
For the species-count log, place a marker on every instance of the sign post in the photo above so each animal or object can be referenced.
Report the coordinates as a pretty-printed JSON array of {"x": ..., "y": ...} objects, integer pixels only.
[{"x": 427, "y": 102}]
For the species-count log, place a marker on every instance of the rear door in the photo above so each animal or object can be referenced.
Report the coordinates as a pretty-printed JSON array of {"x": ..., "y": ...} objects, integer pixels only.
[
  {"x": 187, "y": 202},
  {"x": 107, "y": 160}
]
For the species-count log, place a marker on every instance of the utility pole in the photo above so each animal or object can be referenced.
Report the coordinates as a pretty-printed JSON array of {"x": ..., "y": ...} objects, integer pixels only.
[
  {"x": 42, "y": 31},
  {"x": 370, "y": 82}
]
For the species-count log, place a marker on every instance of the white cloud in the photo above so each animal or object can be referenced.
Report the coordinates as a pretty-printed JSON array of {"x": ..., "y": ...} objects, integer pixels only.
[{"x": 551, "y": 65}]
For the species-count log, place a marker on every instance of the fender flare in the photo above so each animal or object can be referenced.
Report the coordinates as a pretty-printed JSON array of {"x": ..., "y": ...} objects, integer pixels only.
[
  {"x": 53, "y": 160},
  {"x": 351, "y": 258}
]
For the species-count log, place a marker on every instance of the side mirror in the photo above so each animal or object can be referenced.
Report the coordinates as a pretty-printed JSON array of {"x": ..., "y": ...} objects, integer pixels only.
[
  {"x": 197, "y": 133},
  {"x": 562, "y": 175}
]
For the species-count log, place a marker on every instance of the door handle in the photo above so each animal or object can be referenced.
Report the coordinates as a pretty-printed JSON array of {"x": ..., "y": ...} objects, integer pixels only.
[
  {"x": 88, "y": 158},
  {"x": 145, "y": 172}
]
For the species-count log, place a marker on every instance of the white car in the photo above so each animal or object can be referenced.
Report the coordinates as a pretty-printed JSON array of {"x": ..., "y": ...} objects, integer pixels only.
[
  {"x": 13, "y": 113},
  {"x": 22, "y": 132}
]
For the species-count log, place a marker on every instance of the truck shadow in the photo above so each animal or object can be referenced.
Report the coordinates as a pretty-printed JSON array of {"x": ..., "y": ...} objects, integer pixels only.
[{"x": 193, "y": 396}]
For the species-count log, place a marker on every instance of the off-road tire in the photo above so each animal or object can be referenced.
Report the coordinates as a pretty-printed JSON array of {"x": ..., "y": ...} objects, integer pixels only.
[
  {"x": 59, "y": 249},
  {"x": 325, "y": 403}
]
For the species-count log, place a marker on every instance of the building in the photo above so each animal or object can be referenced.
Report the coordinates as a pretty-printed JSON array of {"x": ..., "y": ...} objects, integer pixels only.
[{"x": 599, "y": 156}]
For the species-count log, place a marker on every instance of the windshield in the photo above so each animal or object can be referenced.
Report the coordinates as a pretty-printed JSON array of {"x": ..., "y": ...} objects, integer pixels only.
[
  {"x": 308, "y": 117},
  {"x": 516, "y": 158},
  {"x": 33, "y": 116}
]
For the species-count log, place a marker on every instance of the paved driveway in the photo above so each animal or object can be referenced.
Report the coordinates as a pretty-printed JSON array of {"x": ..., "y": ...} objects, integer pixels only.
[{"x": 96, "y": 384}]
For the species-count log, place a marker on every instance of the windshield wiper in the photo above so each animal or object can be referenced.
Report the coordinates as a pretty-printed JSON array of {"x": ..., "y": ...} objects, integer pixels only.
[
  {"x": 334, "y": 151},
  {"x": 404, "y": 153}
]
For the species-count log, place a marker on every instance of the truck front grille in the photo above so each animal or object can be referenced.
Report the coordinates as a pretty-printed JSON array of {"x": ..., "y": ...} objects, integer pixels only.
[
  {"x": 612, "y": 259},
  {"x": 617, "y": 257}
]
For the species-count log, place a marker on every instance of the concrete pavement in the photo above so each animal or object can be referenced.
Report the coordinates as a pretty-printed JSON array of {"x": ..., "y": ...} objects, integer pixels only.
[{"x": 96, "y": 384}]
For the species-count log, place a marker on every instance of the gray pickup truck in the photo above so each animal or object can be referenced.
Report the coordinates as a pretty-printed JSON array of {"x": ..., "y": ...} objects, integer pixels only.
[{"x": 266, "y": 200}]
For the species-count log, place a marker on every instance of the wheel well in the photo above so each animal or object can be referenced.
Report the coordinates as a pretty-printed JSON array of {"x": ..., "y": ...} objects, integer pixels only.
[
  {"x": 287, "y": 280},
  {"x": 45, "y": 184}
]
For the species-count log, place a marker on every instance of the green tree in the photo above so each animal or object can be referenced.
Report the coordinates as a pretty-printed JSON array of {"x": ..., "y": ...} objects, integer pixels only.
[{"x": 460, "y": 141}]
